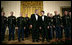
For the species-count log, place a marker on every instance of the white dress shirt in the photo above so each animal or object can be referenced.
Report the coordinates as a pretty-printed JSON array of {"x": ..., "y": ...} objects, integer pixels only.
[
  {"x": 36, "y": 17},
  {"x": 43, "y": 17}
]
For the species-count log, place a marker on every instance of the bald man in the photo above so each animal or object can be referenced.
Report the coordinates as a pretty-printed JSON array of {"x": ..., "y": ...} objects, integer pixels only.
[
  {"x": 11, "y": 25},
  {"x": 57, "y": 25}
]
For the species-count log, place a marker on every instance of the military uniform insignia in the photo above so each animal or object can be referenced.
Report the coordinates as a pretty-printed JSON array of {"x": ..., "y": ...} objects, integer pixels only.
[
  {"x": 12, "y": 18},
  {"x": 58, "y": 17},
  {"x": 51, "y": 20},
  {"x": 67, "y": 17}
]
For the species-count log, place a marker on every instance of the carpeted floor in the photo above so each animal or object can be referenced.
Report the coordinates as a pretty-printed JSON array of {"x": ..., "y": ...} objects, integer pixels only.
[{"x": 29, "y": 41}]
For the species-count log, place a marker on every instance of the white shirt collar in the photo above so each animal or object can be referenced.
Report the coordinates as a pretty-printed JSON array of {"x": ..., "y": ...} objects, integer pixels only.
[
  {"x": 36, "y": 16},
  {"x": 43, "y": 17}
]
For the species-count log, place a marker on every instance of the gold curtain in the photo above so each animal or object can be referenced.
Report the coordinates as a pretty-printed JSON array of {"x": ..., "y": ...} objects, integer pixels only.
[{"x": 28, "y": 7}]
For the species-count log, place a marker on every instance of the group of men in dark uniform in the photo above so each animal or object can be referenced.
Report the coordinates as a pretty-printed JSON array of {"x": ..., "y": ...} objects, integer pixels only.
[
  {"x": 37, "y": 25},
  {"x": 21, "y": 22}
]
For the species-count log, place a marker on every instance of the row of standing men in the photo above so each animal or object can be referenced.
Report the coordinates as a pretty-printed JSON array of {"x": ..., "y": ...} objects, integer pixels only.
[{"x": 37, "y": 25}]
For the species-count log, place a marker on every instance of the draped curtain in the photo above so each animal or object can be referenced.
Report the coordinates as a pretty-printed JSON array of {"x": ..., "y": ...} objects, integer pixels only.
[{"x": 28, "y": 7}]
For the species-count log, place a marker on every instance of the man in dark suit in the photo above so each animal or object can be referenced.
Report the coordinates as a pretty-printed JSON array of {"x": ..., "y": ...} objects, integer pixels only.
[
  {"x": 11, "y": 25},
  {"x": 21, "y": 24},
  {"x": 57, "y": 25},
  {"x": 66, "y": 23},
  {"x": 34, "y": 24},
  {"x": 27, "y": 31},
  {"x": 50, "y": 26},
  {"x": 3, "y": 25},
  {"x": 42, "y": 26}
]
